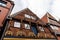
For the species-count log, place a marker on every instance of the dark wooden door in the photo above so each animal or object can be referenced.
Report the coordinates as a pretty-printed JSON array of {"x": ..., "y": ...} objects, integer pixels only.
[{"x": 34, "y": 29}]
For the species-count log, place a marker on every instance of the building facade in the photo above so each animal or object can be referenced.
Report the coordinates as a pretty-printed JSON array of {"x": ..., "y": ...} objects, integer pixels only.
[
  {"x": 6, "y": 7},
  {"x": 25, "y": 24},
  {"x": 54, "y": 25}
]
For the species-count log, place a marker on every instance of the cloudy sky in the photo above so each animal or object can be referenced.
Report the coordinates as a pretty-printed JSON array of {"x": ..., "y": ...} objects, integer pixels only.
[{"x": 39, "y": 7}]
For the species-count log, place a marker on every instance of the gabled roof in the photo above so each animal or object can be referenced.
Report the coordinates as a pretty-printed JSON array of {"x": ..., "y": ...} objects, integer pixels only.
[
  {"x": 48, "y": 18},
  {"x": 24, "y": 11},
  {"x": 41, "y": 22},
  {"x": 49, "y": 15},
  {"x": 45, "y": 17}
]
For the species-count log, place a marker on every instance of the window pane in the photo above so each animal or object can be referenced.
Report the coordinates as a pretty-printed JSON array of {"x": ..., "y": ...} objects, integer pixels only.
[
  {"x": 27, "y": 26},
  {"x": 2, "y": 3},
  {"x": 33, "y": 17},
  {"x": 28, "y": 16},
  {"x": 17, "y": 24},
  {"x": 41, "y": 28}
]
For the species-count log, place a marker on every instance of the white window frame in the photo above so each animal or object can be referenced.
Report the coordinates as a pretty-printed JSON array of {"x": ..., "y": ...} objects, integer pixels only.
[
  {"x": 26, "y": 15},
  {"x": 17, "y": 24},
  {"x": 27, "y": 26},
  {"x": 41, "y": 28}
]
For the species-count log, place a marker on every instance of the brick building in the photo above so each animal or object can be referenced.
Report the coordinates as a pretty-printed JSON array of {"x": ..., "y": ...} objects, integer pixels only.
[
  {"x": 54, "y": 25},
  {"x": 6, "y": 7},
  {"x": 25, "y": 24}
]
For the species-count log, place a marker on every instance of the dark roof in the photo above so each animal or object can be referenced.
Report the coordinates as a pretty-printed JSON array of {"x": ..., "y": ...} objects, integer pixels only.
[{"x": 49, "y": 15}]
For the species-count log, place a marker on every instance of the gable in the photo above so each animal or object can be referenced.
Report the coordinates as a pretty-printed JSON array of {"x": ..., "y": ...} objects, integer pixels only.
[
  {"x": 24, "y": 13},
  {"x": 50, "y": 16},
  {"x": 47, "y": 18},
  {"x": 41, "y": 22},
  {"x": 44, "y": 19}
]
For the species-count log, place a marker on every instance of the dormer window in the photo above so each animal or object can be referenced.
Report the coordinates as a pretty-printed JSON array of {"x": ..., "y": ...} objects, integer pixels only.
[
  {"x": 27, "y": 26},
  {"x": 41, "y": 28},
  {"x": 17, "y": 24},
  {"x": 28, "y": 16},
  {"x": 3, "y": 3}
]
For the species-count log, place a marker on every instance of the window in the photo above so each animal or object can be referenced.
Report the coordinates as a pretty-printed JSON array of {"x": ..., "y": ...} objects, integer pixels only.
[
  {"x": 28, "y": 16},
  {"x": 3, "y": 3},
  {"x": 17, "y": 24},
  {"x": 27, "y": 26},
  {"x": 54, "y": 27},
  {"x": 41, "y": 28},
  {"x": 33, "y": 17}
]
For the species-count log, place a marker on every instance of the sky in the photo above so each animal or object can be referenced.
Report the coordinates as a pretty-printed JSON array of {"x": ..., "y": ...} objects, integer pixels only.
[{"x": 39, "y": 7}]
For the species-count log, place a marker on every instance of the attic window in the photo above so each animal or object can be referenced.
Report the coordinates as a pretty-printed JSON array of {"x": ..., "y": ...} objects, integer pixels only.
[
  {"x": 41, "y": 28},
  {"x": 3, "y": 3},
  {"x": 17, "y": 24},
  {"x": 27, "y": 26},
  {"x": 33, "y": 17},
  {"x": 28, "y": 16},
  {"x": 54, "y": 27}
]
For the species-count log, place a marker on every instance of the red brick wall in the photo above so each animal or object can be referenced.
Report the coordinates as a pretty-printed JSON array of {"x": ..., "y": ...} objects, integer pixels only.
[
  {"x": 58, "y": 37},
  {"x": 4, "y": 12},
  {"x": 44, "y": 19}
]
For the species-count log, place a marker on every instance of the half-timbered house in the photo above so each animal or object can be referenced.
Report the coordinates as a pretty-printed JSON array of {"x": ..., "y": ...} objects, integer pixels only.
[
  {"x": 25, "y": 24},
  {"x": 52, "y": 23}
]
